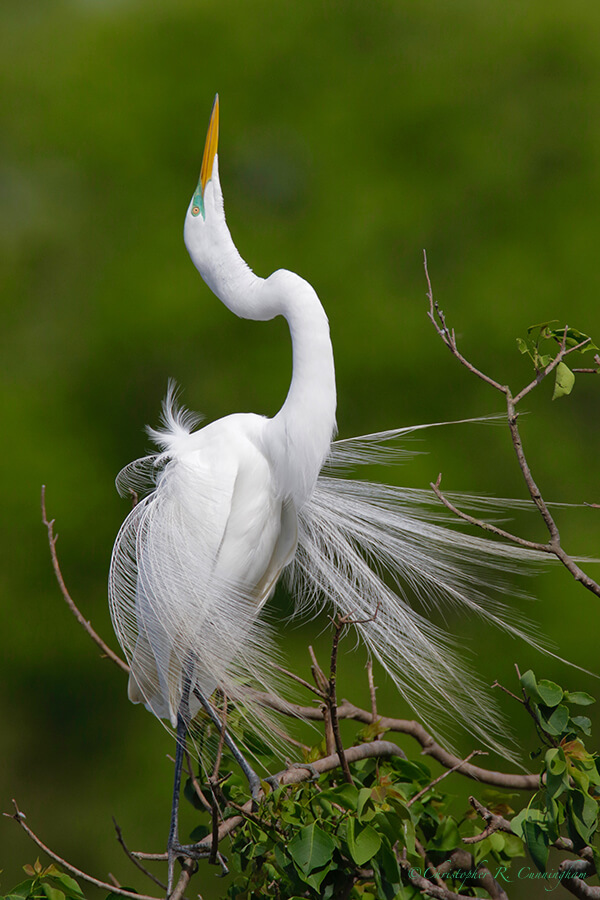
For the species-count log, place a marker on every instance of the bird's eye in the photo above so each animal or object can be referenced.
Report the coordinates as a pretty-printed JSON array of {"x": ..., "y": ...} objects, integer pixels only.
[{"x": 195, "y": 210}]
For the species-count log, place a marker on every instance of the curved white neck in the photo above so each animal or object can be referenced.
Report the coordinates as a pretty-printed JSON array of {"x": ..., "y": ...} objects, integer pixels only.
[
  {"x": 298, "y": 438},
  {"x": 304, "y": 426}
]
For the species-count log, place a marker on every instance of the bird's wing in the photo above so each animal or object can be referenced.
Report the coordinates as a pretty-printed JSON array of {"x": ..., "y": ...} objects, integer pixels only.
[{"x": 193, "y": 564}]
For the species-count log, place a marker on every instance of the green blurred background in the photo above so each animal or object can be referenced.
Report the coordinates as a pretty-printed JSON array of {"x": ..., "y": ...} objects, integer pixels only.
[{"x": 353, "y": 135}]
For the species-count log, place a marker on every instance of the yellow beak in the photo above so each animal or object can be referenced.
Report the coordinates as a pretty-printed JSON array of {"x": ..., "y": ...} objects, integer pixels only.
[{"x": 211, "y": 145}]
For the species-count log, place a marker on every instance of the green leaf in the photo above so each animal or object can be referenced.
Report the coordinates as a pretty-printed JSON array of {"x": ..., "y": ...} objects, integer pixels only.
[
  {"x": 584, "y": 814},
  {"x": 23, "y": 889},
  {"x": 66, "y": 885},
  {"x": 554, "y": 721},
  {"x": 517, "y": 823},
  {"x": 583, "y": 723},
  {"x": 556, "y": 784},
  {"x": 311, "y": 848},
  {"x": 199, "y": 833},
  {"x": 529, "y": 683},
  {"x": 596, "y": 855},
  {"x": 447, "y": 836},
  {"x": 345, "y": 795},
  {"x": 411, "y": 771},
  {"x": 389, "y": 863},
  {"x": 363, "y": 842},
  {"x": 513, "y": 846},
  {"x": 573, "y": 337},
  {"x": 536, "y": 839},
  {"x": 563, "y": 382},
  {"x": 579, "y": 697},
  {"x": 541, "y": 325},
  {"x": 522, "y": 345},
  {"x": 315, "y": 878},
  {"x": 555, "y": 761},
  {"x": 292, "y": 813},
  {"x": 550, "y": 692},
  {"x": 51, "y": 893},
  {"x": 364, "y": 795}
]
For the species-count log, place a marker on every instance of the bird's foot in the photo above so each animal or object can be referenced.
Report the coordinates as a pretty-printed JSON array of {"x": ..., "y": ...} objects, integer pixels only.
[
  {"x": 255, "y": 788},
  {"x": 273, "y": 782},
  {"x": 175, "y": 850},
  {"x": 314, "y": 775}
]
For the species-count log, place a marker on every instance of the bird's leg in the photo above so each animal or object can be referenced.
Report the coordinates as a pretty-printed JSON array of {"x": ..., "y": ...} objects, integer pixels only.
[
  {"x": 174, "y": 848},
  {"x": 253, "y": 779},
  {"x": 173, "y": 844}
]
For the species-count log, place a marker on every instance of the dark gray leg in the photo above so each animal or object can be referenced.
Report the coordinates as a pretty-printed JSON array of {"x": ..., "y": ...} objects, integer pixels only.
[
  {"x": 174, "y": 848},
  {"x": 173, "y": 844},
  {"x": 253, "y": 779}
]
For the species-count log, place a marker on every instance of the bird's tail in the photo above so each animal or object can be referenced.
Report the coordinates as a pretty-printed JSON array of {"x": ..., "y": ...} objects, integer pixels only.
[{"x": 372, "y": 550}]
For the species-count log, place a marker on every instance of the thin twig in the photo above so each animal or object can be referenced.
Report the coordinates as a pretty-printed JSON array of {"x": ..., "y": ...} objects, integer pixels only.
[
  {"x": 297, "y": 678},
  {"x": 428, "y": 864},
  {"x": 445, "y": 774},
  {"x": 449, "y": 338},
  {"x": 318, "y": 674},
  {"x": 135, "y": 861},
  {"x": 332, "y": 698},
  {"x": 554, "y": 546},
  {"x": 323, "y": 688},
  {"x": 440, "y": 892},
  {"x": 494, "y": 823},
  {"x": 195, "y": 783},
  {"x": 217, "y": 764},
  {"x": 19, "y": 817},
  {"x": 52, "y": 538},
  {"x": 487, "y": 526},
  {"x": 462, "y": 861},
  {"x": 564, "y": 351},
  {"x": 373, "y": 696}
]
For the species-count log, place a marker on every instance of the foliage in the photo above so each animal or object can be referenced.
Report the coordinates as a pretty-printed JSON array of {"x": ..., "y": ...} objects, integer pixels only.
[
  {"x": 571, "y": 775},
  {"x": 321, "y": 840},
  {"x": 327, "y": 838},
  {"x": 564, "y": 378},
  {"x": 45, "y": 883}
]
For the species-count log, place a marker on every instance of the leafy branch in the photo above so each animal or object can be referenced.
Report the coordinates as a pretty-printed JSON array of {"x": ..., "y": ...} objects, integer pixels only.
[{"x": 569, "y": 342}]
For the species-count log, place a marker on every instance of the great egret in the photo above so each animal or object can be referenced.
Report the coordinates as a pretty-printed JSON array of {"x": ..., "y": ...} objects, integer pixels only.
[{"x": 231, "y": 506}]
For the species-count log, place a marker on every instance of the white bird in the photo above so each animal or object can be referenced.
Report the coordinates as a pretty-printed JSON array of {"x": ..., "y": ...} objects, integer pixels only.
[{"x": 231, "y": 506}]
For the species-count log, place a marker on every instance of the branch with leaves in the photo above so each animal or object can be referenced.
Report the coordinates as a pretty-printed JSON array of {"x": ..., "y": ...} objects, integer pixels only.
[{"x": 569, "y": 341}]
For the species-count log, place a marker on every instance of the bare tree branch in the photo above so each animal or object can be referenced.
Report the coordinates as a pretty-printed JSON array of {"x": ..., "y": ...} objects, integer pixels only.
[
  {"x": 135, "y": 861},
  {"x": 494, "y": 823},
  {"x": 554, "y": 545},
  {"x": 19, "y": 817},
  {"x": 188, "y": 869},
  {"x": 52, "y": 538},
  {"x": 441, "y": 777},
  {"x": 430, "y": 747},
  {"x": 331, "y": 699}
]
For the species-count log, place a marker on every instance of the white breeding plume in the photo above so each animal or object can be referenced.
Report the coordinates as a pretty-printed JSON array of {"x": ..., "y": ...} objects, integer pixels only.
[{"x": 228, "y": 508}]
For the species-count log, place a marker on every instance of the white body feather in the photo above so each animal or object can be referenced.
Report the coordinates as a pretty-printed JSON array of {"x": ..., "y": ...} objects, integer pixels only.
[{"x": 230, "y": 505}]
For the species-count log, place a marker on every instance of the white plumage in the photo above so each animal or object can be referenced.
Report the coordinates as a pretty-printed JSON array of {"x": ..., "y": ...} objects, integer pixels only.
[{"x": 230, "y": 506}]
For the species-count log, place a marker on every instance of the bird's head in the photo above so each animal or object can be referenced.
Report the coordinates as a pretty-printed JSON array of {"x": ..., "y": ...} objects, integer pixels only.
[
  {"x": 205, "y": 233},
  {"x": 199, "y": 206},
  {"x": 207, "y": 236}
]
